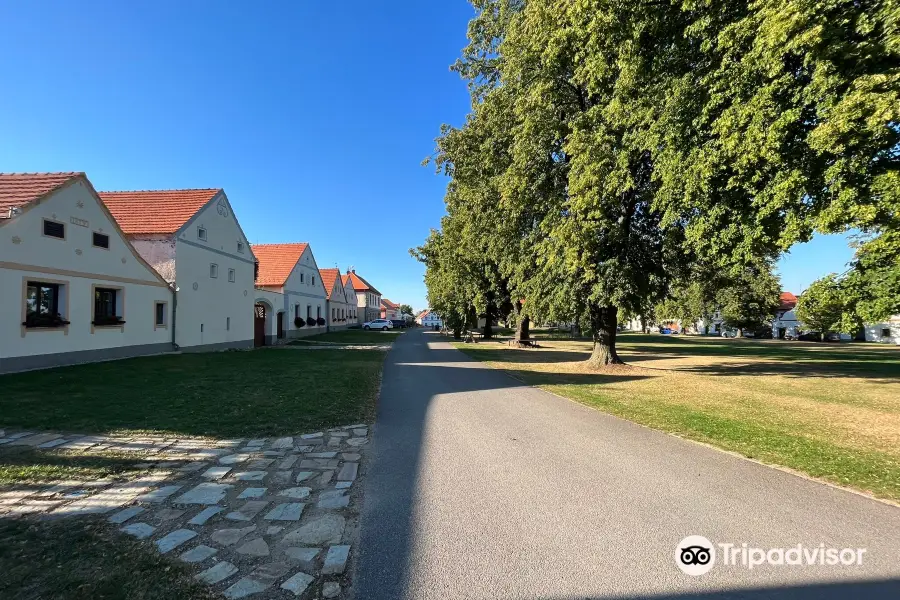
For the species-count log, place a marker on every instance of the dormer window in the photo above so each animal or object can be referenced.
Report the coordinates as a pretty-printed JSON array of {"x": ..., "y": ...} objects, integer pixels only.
[
  {"x": 240, "y": 247},
  {"x": 201, "y": 234},
  {"x": 301, "y": 277}
]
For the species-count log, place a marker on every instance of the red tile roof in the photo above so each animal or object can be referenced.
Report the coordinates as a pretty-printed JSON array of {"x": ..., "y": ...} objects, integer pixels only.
[
  {"x": 787, "y": 301},
  {"x": 276, "y": 261},
  {"x": 328, "y": 277},
  {"x": 19, "y": 189},
  {"x": 155, "y": 211},
  {"x": 360, "y": 284},
  {"x": 388, "y": 304}
]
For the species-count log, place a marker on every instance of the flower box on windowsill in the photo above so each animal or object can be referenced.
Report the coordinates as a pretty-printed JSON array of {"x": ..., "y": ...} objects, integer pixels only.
[
  {"x": 298, "y": 322},
  {"x": 107, "y": 321},
  {"x": 35, "y": 321}
]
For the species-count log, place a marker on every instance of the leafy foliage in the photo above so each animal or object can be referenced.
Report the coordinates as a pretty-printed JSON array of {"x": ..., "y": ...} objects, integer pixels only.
[
  {"x": 826, "y": 307},
  {"x": 614, "y": 148}
]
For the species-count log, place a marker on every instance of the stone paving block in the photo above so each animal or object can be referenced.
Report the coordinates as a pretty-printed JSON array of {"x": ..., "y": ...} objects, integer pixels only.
[
  {"x": 304, "y": 448},
  {"x": 304, "y": 557},
  {"x": 319, "y": 463},
  {"x": 331, "y": 589},
  {"x": 281, "y": 477},
  {"x": 357, "y": 441},
  {"x": 123, "y": 515},
  {"x": 304, "y": 475},
  {"x": 321, "y": 455},
  {"x": 335, "y": 560},
  {"x": 351, "y": 456},
  {"x": 29, "y": 507},
  {"x": 310, "y": 436},
  {"x": 233, "y": 459},
  {"x": 217, "y": 573},
  {"x": 323, "y": 530},
  {"x": 261, "y": 579},
  {"x": 248, "y": 511},
  {"x": 160, "y": 494},
  {"x": 343, "y": 485},
  {"x": 250, "y": 476},
  {"x": 345, "y": 427},
  {"x": 334, "y": 442},
  {"x": 139, "y": 530},
  {"x": 21, "y": 434},
  {"x": 289, "y": 511},
  {"x": 173, "y": 540},
  {"x": 257, "y": 547},
  {"x": 348, "y": 472},
  {"x": 34, "y": 440},
  {"x": 274, "y": 529},
  {"x": 53, "y": 443},
  {"x": 216, "y": 473},
  {"x": 205, "y": 515},
  {"x": 282, "y": 443},
  {"x": 112, "y": 498},
  {"x": 325, "y": 479},
  {"x": 257, "y": 442},
  {"x": 198, "y": 554},
  {"x": 204, "y": 493},
  {"x": 192, "y": 467},
  {"x": 333, "y": 499},
  {"x": 260, "y": 463},
  {"x": 298, "y": 583},
  {"x": 296, "y": 492},
  {"x": 361, "y": 432},
  {"x": 229, "y": 537},
  {"x": 288, "y": 462},
  {"x": 252, "y": 492}
]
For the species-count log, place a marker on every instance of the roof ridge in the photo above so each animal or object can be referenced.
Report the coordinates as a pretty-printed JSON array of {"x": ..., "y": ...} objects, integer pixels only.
[
  {"x": 280, "y": 244},
  {"x": 161, "y": 190},
  {"x": 32, "y": 173}
]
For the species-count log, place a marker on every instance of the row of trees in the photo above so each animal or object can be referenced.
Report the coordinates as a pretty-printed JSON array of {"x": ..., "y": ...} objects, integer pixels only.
[{"x": 619, "y": 153}]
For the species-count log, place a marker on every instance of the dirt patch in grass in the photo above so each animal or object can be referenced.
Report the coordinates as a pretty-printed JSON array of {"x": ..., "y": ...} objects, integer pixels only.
[{"x": 84, "y": 559}]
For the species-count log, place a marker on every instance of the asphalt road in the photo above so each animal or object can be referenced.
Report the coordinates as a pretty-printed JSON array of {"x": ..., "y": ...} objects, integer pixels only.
[{"x": 480, "y": 487}]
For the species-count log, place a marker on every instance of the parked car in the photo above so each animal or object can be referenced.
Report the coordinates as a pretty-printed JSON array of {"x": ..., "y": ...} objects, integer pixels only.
[
  {"x": 382, "y": 324},
  {"x": 809, "y": 336},
  {"x": 399, "y": 323},
  {"x": 729, "y": 333},
  {"x": 665, "y": 330}
]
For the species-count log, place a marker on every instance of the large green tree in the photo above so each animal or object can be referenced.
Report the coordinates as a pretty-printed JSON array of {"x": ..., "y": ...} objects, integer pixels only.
[
  {"x": 623, "y": 142},
  {"x": 827, "y": 306}
]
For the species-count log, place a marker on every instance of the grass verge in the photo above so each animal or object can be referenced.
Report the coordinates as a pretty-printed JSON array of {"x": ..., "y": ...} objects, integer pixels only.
[
  {"x": 830, "y": 411},
  {"x": 75, "y": 560},
  {"x": 225, "y": 394},
  {"x": 353, "y": 336}
]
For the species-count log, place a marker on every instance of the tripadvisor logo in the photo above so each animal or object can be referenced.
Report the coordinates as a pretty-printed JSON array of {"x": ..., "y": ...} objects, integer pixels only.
[{"x": 695, "y": 555}]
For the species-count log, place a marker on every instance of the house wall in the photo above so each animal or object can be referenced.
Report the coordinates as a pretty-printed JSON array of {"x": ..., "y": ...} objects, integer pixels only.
[
  {"x": 274, "y": 303},
  {"x": 339, "y": 306},
  {"x": 368, "y": 306},
  {"x": 77, "y": 266},
  {"x": 350, "y": 295},
  {"x": 302, "y": 292},
  {"x": 874, "y": 331},
  {"x": 213, "y": 313}
]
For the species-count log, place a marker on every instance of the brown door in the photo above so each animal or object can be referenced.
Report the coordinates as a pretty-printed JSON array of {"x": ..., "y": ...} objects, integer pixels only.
[
  {"x": 280, "y": 325},
  {"x": 259, "y": 325}
]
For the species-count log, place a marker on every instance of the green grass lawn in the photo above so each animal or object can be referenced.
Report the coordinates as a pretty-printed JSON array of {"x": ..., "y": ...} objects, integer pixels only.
[
  {"x": 21, "y": 465},
  {"x": 829, "y": 410},
  {"x": 354, "y": 336},
  {"x": 77, "y": 559},
  {"x": 223, "y": 394}
]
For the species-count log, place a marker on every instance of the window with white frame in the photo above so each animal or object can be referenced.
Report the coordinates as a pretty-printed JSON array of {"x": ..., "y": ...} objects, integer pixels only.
[
  {"x": 213, "y": 270},
  {"x": 160, "y": 314},
  {"x": 201, "y": 234},
  {"x": 231, "y": 275},
  {"x": 240, "y": 247},
  {"x": 45, "y": 304}
]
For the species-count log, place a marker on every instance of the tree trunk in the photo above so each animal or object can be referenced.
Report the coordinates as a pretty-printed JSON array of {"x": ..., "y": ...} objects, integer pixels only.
[
  {"x": 643, "y": 324},
  {"x": 457, "y": 333},
  {"x": 488, "y": 331},
  {"x": 523, "y": 329},
  {"x": 740, "y": 332},
  {"x": 603, "y": 329}
]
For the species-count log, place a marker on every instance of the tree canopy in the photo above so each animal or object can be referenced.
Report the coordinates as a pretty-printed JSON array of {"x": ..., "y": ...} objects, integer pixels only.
[{"x": 613, "y": 148}]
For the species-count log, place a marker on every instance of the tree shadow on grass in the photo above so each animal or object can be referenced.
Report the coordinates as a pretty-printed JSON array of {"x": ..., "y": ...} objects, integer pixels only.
[{"x": 84, "y": 559}]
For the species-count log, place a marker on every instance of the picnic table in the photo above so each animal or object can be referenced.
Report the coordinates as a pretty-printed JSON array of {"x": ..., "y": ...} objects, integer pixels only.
[{"x": 473, "y": 336}]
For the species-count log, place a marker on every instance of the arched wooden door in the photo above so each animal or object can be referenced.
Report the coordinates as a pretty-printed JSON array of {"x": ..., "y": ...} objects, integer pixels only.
[{"x": 259, "y": 325}]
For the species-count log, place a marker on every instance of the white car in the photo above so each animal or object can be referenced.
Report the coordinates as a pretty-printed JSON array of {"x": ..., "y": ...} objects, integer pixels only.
[{"x": 382, "y": 324}]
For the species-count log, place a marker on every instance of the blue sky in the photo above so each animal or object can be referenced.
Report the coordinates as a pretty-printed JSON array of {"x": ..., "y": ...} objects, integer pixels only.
[{"x": 311, "y": 116}]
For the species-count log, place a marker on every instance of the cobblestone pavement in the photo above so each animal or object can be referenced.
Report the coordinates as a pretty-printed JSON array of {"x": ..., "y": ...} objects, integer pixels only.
[{"x": 260, "y": 518}]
